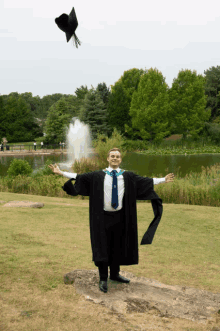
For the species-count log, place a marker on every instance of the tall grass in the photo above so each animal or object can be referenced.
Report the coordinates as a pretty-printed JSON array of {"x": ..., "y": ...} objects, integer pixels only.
[{"x": 195, "y": 189}]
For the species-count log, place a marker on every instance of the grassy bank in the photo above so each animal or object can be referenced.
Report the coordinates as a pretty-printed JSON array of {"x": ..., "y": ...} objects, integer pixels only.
[
  {"x": 169, "y": 146},
  {"x": 38, "y": 246}
]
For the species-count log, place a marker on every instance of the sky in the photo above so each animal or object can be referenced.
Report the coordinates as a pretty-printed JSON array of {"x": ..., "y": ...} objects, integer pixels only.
[{"x": 115, "y": 36}]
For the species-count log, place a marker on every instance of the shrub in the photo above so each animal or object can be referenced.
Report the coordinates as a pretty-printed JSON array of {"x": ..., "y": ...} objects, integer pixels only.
[
  {"x": 19, "y": 167},
  {"x": 86, "y": 165}
]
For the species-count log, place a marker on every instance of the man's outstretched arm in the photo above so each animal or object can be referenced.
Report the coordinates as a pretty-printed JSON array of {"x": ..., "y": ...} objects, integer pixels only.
[
  {"x": 168, "y": 178},
  {"x": 57, "y": 171}
]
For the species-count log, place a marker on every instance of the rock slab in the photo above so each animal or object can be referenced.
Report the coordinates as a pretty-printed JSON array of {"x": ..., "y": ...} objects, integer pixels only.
[
  {"x": 24, "y": 204},
  {"x": 144, "y": 294}
]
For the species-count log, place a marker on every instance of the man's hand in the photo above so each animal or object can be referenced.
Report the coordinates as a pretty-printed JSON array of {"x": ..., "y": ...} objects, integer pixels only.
[
  {"x": 169, "y": 178},
  {"x": 55, "y": 169}
]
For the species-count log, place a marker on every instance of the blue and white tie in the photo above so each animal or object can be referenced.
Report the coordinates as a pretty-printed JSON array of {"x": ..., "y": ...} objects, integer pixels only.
[{"x": 114, "y": 190}]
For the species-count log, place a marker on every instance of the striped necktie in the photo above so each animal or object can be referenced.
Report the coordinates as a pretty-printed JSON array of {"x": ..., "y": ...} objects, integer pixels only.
[{"x": 114, "y": 190}]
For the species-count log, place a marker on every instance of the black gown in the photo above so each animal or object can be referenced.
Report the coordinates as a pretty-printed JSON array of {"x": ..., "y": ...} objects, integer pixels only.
[{"x": 136, "y": 188}]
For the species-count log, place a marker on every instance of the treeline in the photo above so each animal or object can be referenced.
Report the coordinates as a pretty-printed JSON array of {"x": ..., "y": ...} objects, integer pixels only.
[{"x": 140, "y": 105}]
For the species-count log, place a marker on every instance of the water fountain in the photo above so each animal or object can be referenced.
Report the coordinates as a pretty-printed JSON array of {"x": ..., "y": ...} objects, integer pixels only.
[{"x": 78, "y": 140}]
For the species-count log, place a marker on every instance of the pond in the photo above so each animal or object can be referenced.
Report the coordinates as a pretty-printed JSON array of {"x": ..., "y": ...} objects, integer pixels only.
[{"x": 143, "y": 165}]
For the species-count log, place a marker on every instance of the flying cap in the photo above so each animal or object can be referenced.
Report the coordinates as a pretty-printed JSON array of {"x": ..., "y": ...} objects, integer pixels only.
[{"x": 68, "y": 24}]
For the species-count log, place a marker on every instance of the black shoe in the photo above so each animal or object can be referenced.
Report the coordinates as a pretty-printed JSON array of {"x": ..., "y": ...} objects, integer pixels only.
[
  {"x": 120, "y": 279},
  {"x": 103, "y": 285}
]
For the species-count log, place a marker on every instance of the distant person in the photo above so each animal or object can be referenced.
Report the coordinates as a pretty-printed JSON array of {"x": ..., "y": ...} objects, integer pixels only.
[
  {"x": 60, "y": 145},
  {"x": 42, "y": 144},
  {"x": 2, "y": 147},
  {"x": 113, "y": 214},
  {"x": 7, "y": 147},
  {"x": 35, "y": 146}
]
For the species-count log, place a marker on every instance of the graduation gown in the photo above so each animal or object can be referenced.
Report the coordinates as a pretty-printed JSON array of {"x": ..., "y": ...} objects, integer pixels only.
[{"x": 136, "y": 188}]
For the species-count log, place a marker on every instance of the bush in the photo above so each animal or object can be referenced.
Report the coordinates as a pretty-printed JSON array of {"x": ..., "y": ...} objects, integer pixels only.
[
  {"x": 131, "y": 145},
  {"x": 19, "y": 167},
  {"x": 86, "y": 165}
]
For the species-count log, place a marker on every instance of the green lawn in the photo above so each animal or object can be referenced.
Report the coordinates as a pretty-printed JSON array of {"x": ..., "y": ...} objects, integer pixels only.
[{"x": 38, "y": 246}]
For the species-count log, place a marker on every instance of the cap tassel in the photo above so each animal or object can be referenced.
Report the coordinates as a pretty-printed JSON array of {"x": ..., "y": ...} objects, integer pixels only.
[{"x": 75, "y": 40}]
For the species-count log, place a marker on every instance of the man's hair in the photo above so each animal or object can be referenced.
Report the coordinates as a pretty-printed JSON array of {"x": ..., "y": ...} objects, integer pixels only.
[{"x": 114, "y": 149}]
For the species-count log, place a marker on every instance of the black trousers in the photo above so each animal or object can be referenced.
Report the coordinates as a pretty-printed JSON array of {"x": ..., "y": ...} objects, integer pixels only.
[{"x": 114, "y": 227}]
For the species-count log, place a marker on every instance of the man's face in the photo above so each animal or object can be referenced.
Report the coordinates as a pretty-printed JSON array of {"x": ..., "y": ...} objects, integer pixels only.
[{"x": 114, "y": 159}]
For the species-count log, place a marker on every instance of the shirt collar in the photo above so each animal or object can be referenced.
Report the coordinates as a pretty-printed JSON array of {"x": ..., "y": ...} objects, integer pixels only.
[{"x": 110, "y": 169}]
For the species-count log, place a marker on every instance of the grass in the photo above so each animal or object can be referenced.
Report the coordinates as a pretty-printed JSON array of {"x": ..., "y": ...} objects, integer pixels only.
[
  {"x": 38, "y": 246},
  {"x": 195, "y": 189}
]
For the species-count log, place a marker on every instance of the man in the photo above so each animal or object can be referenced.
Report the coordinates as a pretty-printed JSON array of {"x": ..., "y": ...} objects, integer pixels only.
[{"x": 112, "y": 212}]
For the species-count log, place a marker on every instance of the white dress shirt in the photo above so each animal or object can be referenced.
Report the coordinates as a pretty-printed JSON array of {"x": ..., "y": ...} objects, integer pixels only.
[{"x": 108, "y": 187}]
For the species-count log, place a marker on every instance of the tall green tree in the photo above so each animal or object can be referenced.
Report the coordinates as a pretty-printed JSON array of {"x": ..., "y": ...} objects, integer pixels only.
[
  {"x": 118, "y": 109},
  {"x": 150, "y": 108},
  {"x": 104, "y": 92},
  {"x": 120, "y": 101},
  {"x": 20, "y": 123},
  {"x": 28, "y": 97},
  {"x": 71, "y": 101},
  {"x": 94, "y": 113},
  {"x": 130, "y": 80},
  {"x": 80, "y": 93},
  {"x": 212, "y": 90},
  {"x": 188, "y": 102},
  {"x": 2, "y": 119},
  {"x": 57, "y": 122},
  {"x": 46, "y": 102}
]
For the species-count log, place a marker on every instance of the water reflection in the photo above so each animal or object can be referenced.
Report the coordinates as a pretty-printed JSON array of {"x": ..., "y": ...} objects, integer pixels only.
[
  {"x": 36, "y": 161},
  {"x": 143, "y": 165}
]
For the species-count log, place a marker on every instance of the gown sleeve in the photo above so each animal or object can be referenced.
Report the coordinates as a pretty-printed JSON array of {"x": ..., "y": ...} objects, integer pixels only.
[
  {"x": 144, "y": 187},
  {"x": 81, "y": 186},
  {"x": 145, "y": 191}
]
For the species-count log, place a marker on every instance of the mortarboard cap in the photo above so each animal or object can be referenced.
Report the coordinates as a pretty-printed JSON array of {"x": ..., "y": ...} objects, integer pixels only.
[{"x": 68, "y": 24}]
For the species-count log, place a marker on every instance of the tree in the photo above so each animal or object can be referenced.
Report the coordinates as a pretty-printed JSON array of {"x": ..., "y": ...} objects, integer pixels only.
[
  {"x": 130, "y": 80},
  {"x": 212, "y": 90},
  {"x": 188, "y": 101},
  {"x": 81, "y": 92},
  {"x": 118, "y": 108},
  {"x": 80, "y": 95},
  {"x": 93, "y": 113},
  {"x": 46, "y": 102},
  {"x": 150, "y": 108},
  {"x": 57, "y": 122},
  {"x": 120, "y": 100},
  {"x": 28, "y": 97},
  {"x": 20, "y": 124},
  {"x": 71, "y": 101},
  {"x": 2, "y": 119},
  {"x": 104, "y": 92}
]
